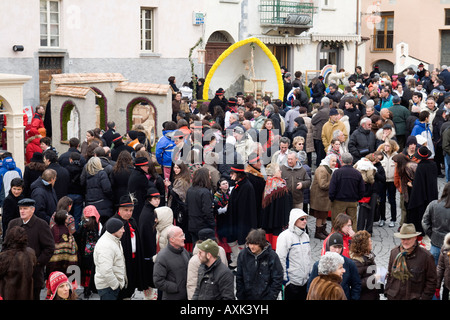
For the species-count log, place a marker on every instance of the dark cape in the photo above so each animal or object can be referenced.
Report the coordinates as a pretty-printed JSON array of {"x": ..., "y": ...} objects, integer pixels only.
[
  {"x": 424, "y": 190},
  {"x": 242, "y": 215},
  {"x": 147, "y": 234}
]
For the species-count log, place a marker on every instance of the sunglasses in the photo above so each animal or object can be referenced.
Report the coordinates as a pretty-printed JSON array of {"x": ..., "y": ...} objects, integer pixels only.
[{"x": 303, "y": 219}]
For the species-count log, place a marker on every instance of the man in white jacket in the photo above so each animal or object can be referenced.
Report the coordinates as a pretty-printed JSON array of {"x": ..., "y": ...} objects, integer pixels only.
[
  {"x": 294, "y": 251},
  {"x": 110, "y": 273}
]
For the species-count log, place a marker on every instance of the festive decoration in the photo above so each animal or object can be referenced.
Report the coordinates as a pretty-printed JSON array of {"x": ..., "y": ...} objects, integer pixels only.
[
  {"x": 250, "y": 41},
  {"x": 194, "y": 80}
]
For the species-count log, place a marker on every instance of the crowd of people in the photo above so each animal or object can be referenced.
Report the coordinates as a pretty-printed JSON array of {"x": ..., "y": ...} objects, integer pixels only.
[{"x": 218, "y": 208}]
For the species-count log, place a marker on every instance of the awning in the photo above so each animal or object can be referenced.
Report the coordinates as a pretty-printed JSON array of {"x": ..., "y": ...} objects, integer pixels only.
[
  {"x": 336, "y": 37},
  {"x": 284, "y": 40}
]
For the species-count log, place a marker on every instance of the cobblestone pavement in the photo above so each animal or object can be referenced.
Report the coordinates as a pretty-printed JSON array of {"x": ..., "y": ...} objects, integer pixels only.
[{"x": 383, "y": 241}]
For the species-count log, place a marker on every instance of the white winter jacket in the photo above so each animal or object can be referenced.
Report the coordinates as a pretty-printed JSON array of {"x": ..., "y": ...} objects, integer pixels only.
[
  {"x": 109, "y": 262},
  {"x": 294, "y": 250}
]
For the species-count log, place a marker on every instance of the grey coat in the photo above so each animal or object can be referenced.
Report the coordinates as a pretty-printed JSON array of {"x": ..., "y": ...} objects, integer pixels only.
[
  {"x": 170, "y": 272},
  {"x": 436, "y": 222}
]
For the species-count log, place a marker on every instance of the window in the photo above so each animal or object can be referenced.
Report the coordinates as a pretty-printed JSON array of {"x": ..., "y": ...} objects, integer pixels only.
[
  {"x": 49, "y": 26},
  {"x": 447, "y": 17},
  {"x": 384, "y": 33},
  {"x": 281, "y": 53},
  {"x": 147, "y": 43}
]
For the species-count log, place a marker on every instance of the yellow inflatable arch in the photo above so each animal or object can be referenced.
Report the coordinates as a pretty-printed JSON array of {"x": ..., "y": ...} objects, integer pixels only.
[{"x": 230, "y": 50}]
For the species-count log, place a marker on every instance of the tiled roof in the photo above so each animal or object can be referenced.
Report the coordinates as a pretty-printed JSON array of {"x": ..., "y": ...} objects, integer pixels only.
[
  {"x": 72, "y": 91},
  {"x": 72, "y": 78},
  {"x": 146, "y": 88}
]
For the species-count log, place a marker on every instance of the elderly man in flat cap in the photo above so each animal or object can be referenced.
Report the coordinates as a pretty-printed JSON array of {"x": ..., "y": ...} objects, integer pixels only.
[{"x": 40, "y": 239}]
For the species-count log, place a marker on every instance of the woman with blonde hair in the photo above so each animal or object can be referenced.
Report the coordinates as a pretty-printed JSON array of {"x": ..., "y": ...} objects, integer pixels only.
[
  {"x": 98, "y": 191},
  {"x": 389, "y": 149}
]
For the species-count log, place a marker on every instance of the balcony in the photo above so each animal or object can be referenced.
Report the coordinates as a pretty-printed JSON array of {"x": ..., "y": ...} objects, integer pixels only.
[{"x": 286, "y": 16}]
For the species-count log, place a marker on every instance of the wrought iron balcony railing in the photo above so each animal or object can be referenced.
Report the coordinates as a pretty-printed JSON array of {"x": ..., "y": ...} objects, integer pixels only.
[{"x": 286, "y": 13}]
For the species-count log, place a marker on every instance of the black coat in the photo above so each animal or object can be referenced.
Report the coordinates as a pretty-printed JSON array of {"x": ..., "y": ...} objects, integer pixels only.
[
  {"x": 147, "y": 234},
  {"x": 75, "y": 170},
  {"x": 199, "y": 202},
  {"x": 138, "y": 185},
  {"x": 258, "y": 277},
  {"x": 46, "y": 200},
  {"x": 99, "y": 193},
  {"x": 119, "y": 183},
  {"x": 62, "y": 179},
  {"x": 117, "y": 149},
  {"x": 424, "y": 190},
  {"x": 361, "y": 143},
  {"x": 10, "y": 210},
  {"x": 108, "y": 137},
  {"x": 354, "y": 116},
  {"x": 133, "y": 265},
  {"x": 63, "y": 159},
  {"x": 242, "y": 215},
  {"x": 258, "y": 183},
  {"x": 30, "y": 176}
]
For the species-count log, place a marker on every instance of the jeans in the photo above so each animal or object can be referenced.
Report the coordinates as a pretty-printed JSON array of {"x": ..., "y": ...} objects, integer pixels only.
[
  {"x": 108, "y": 294},
  {"x": 391, "y": 191},
  {"x": 447, "y": 167},
  {"x": 77, "y": 208},
  {"x": 435, "y": 251}
]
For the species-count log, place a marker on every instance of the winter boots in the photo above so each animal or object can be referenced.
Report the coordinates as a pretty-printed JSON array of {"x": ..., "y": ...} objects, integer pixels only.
[{"x": 321, "y": 232}]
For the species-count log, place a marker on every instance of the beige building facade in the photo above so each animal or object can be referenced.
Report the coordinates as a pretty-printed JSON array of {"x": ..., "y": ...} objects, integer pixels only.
[{"x": 400, "y": 34}]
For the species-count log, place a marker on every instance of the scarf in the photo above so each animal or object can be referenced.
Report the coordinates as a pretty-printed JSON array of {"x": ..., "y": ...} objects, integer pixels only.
[
  {"x": 275, "y": 188},
  {"x": 400, "y": 269},
  {"x": 221, "y": 198},
  {"x": 251, "y": 170}
]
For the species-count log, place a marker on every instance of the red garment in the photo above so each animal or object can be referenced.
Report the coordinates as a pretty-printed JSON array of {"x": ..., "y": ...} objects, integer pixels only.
[
  {"x": 345, "y": 250},
  {"x": 37, "y": 122},
  {"x": 32, "y": 147}
]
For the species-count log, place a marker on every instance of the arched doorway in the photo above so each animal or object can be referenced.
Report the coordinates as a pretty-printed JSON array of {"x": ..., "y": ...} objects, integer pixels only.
[
  {"x": 385, "y": 65},
  {"x": 142, "y": 112},
  {"x": 102, "y": 104},
  {"x": 70, "y": 121},
  {"x": 217, "y": 43}
]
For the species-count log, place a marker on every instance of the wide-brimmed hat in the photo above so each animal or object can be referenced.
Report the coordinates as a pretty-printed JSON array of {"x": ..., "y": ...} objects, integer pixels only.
[
  {"x": 126, "y": 201},
  {"x": 237, "y": 168},
  {"x": 141, "y": 161},
  {"x": 423, "y": 153},
  {"x": 408, "y": 230}
]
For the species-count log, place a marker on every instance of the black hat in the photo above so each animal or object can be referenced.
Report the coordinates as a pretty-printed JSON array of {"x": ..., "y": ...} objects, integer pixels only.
[
  {"x": 387, "y": 126},
  {"x": 37, "y": 157},
  {"x": 117, "y": 138},
  {"x": 26, "y": 202},
  {"x": 113, "y": 225},
  {"x": 141, "y": 161},
  {"x": 126, "y": 201},
  {"x": 152, "y": 192},
  {"x": 336, "y": 239},
  {"x": 220, "y": 91},
  {"x": 237, "y": 167},
  {"x": 232, "y": 101},
  {"x": 423, "y": 153}
]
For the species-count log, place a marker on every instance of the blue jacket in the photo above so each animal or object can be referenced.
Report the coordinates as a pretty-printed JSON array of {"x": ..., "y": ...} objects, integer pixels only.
[
  {"x": 8, "y": 164},
  {"x": 420, "y": 127},
  {"x": 351, "y": 282},
  {"x": 164, "y": 149}
]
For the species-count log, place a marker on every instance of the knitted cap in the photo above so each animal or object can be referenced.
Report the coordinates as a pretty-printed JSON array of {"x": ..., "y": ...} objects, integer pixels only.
[
  {"x": 209, "y": 246},
  {"x": 113, "y": 225},
  {"x": 56, "y": 279}
]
